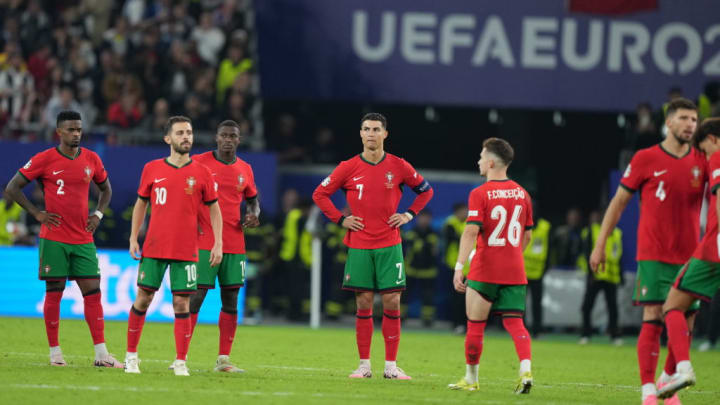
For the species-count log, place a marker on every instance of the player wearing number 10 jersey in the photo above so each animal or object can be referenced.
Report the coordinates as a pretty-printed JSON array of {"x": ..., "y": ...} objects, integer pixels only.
[
  {"x": 498, "y": 226},
  {"x": 176, "y": 188},
  {"x": 671, "y": 180},
  {"x": 373, "y": 183}
]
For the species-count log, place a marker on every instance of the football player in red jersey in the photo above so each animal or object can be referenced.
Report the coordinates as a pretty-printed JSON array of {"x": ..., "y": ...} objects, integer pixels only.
[
  {"x": 67, "y": 251},
  {"x": 235, "y": 184},
  {"x": 671, "y": 179},
  {"x": 700, "y": 277},
  {"x": 499, "y": 224},
  {"x": 175, "y": 187},
  {"x": 373, "y": 182}
]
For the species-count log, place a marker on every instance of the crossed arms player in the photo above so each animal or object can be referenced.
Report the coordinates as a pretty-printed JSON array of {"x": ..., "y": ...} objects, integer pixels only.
[{"x": 372, "y": 182}]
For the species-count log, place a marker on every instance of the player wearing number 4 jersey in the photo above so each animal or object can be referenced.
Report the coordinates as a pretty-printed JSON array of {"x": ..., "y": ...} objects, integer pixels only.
[
  {"x": 700, "y": 277},
  {"x": 372, "y": 182},
  {"x": 67, "y": 251},
  {"x": 671, "y": 180},
  {"x": 498, "y": 226},
  {"x": 176, "y": 188}
]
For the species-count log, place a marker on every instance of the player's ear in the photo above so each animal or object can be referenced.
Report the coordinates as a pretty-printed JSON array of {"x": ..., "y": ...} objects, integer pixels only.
[{"x": 166, "y": 138}]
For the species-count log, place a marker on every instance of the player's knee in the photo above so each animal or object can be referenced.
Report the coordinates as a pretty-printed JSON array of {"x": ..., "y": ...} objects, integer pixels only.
[
  {"x": 229, "y": 297},
  {"x": 55, "y": 286}
]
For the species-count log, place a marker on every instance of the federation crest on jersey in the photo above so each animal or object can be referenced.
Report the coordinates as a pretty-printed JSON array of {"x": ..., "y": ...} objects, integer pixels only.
[
  {"x": 142, "y": 275},
  {"x": 389, "y": 177},
  {"x": 46, "y": 269},
  {"x": 695, "y": 182},
  {"x": 241, "y": 182},
  {"x": 191, "y": 182},
  {"x": 88, "y": 174},
  {"x": 326, "y": 181},
  {"x": 28, "y": 164}
]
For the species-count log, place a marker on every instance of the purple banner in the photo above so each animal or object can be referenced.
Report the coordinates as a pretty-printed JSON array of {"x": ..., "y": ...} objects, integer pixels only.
[{"x": 528, "y": 54}]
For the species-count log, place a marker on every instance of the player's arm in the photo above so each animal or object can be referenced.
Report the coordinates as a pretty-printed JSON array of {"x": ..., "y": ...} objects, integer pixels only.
[
  {"x": 612, "y": 216},
  {"x": 526, "y": 238},
  {"x": 424, "y": 195},
  {"x": 321, "y": 197},
  {"x": 103, "y": 202},
  {"x": 14, "y": 193},
  {"x": 216, "y": 223},
  {"x": 138, "y": 217},
  {"x": 252, "y": 214},
  {"x": 467, "y": 244}
]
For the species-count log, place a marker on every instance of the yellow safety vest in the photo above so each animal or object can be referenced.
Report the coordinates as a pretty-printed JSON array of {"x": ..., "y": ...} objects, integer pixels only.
[
  {"x": 613, "y": 254},
  {"x": 452, "y": 248},
  {"x": 7, "y": 215},
  {"x": 536, "y": 252}
]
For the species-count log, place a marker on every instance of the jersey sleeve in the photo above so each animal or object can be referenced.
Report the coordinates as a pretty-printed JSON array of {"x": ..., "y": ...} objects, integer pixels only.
[
  {"x": 100, "y": 174},
  {"x": 209, "y": 191},
  {"x": 476, "y": 208},
  {"x": 635, "y": 174},
  {"x": 529, "y": 224},
  {"x": 34, "y": 168},
  {"x": 328, "y": 187},
  {"x": 714, "y": 169},
  {"x": 146, "y": 183},
  {"x": 419, "y": 185},
  {"x": 250, "y": 191}
]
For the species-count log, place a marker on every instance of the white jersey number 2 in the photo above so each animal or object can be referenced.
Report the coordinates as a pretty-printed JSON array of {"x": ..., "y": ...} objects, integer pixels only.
[{"x": 514, "y": 229}]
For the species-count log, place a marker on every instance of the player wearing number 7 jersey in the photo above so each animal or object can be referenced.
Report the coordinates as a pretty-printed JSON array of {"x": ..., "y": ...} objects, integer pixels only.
[
  {"x": 498, "y": 226},
  {"x": 372, "y": 182},
  {"x": 671, "y": 179},
  {"x": 176, "y": 188}
]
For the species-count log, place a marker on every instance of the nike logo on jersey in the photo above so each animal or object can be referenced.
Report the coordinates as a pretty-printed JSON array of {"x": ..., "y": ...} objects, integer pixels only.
[
  {"x": 55, "y": 173},
  {"x": 159, "y": 180},
  {"x": 188, "y": 285},
  {"x": 660, "y": 173},
  {"x": 357, "y": 178}
]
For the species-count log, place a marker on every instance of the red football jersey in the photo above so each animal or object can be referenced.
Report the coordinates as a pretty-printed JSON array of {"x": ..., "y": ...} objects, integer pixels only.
[
  {"x": 65, "y": 182},
  {"x": 708, "y": 248},
  {"x": 503, "y": 211},
  {"x": 671, "y": 193},
  {"x": 373, "y": 192},
  {"x": 176, "y": 196},
  {"x": 234, "y": 182}
]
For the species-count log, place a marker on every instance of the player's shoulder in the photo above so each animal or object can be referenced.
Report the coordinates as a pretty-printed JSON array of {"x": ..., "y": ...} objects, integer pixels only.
[
  {"x": 203, "y": 157},
  {"x": 156, "y": 164},
  {"x": 243, "y": 164},
  {"x": 89, "y": 154},
  {"x": 714, "y": 161},
  {"x": 199, "y": 167},
  {"x": 49, "y": 153},
  {"x": 394, "y": 159},
  {"x": 699, "y": 155},
  {"x": 649, "y": 153}
]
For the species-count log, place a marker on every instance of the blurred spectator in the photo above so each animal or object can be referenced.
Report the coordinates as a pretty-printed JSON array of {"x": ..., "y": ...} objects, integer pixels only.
[
  {"x": 209, "y": 39},
  {"x": 39, "y": 66},
  {"x": 97, "y": 18},
  {"x": 177, "y": 79},
  {"x": 198, "y": 112},
  {"x": 450, "y": 234},
  {"x": 117, "y": 37},
  {"x": 644, "y": 131},
  {"x": 421, "y": 252},
  {"x": 17, "y": 91},
  {"x": 178, "y": 25},
  {"x": 10, "y": 213},
  {"x": 146, "y": 63},
  {"x": 234, "y": 64},
  {"x": 567, "y": 241},
  {"x": 709, "y": 101},
  {"x": 64, "y": 100},
  {"x": 134, "y": 11},
  {"x": 34, "y": 23},
  {"x": 126, "y": 113},
  {"x": 325, "y": 149},
  {"x": 285, "y": 142},
  {"x": 155, "y": 122},
  {"x": 536, "y": 255}
]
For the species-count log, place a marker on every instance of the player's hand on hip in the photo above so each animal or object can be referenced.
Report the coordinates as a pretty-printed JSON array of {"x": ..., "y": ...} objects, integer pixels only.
[
  {"x": 251, "y": 221},
  {"x": 135, "y": 249},
  {"x": 216, "y": 255},
  {"x": 459, "y": 281},
  {"x": 397, "y": 220},
  {"x": 353, "y": 223},
  {"x": 92, "y": 223},
  {"x": 48, "y": 219},
  {"x": 597, "y": 259}
]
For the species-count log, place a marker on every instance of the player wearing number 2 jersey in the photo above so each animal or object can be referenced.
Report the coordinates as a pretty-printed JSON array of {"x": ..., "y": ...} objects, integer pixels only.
[
  {"x": 498, "y": 226},
  {"x": 176, "y": 188},
  {"x": 67, "y": 250},
  {"x": 372, "y": 182},
  {"x": 671, "y": 180}
]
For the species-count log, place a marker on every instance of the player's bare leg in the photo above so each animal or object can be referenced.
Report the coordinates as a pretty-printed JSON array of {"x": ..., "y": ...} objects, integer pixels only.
[
  {"x": 92, "y": 300},
  {"x": 477, "y": 309},
  {"x": 648, "y": 349},
  {"x": 678, "y": 331},
  {"x": 51, "y": 314},
  {"x": 181, "y": 306},
  {"x": 136, "y": 320},
  {"x": 391, "y": 333},
  {"x": 363, "y": 332},
  {"x": 227, "y": 324}
]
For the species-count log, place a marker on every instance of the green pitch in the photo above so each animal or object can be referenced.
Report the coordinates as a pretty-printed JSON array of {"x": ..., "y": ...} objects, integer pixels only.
[{"x": 297, "y": 365}]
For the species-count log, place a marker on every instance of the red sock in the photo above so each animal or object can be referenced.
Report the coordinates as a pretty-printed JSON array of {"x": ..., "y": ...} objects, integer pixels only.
[
  {"x": 228, "y": 325},
  {"x": 193, "y": 322},
  {"x": 678, "y": 335},
  {"x": 51, "y": 313},
  {"x": 94, "y": 316},
  {"x": 670, "y": 362},
  {"x": 391, "y": 333},
  {"x": 520, "y": 336},
  {"x": 474, "y": 341},
  {"x": 182, "y": 334},
  {"x": 648, "y": 347},
  {"x": 364, "y": 332},
  {"x": 136, "y": 320}
]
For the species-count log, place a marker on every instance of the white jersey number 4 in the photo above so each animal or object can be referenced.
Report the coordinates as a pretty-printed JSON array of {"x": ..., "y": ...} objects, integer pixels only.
[{"x": 514, "y": 229}]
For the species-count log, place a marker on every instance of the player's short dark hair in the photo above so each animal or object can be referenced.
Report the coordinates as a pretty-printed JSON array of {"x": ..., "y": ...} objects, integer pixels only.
[
  {"x": 67, "y": 115},
  {"x": 709, "y": 126},
  {"x": 500, "y": 148},
  {"x": 174, "y": 120},
  {"x": 228, "y": 123},
  {"x": 374, "y": 117},
  {"x": 679, "y": 103}
]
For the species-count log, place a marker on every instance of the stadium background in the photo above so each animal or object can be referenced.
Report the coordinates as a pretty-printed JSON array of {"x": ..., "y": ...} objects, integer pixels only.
[{"x": 564, "y": 81}]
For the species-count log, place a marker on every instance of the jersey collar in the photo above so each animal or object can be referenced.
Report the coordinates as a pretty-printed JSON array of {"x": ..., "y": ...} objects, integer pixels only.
[
  {"x": 498, "y": 181},
  {"x": 215, "y": 155},
  {"x": 176, "y": 167},
  {"x": 57, "y": 148},
  {"x": 371, "y": 163},
  {"x": 673, "y": 156}
]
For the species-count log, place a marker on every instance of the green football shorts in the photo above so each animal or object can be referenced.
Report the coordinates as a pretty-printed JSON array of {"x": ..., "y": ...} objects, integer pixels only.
[
  {"x": 230, "y": 272},
  {"x": 505, "y": 298},
  {"x": 699, "y": 278},
  {"x": 379, "y": 270},
  {"x": 61, "y": 261},
  {"x": 183, "y": 275}
]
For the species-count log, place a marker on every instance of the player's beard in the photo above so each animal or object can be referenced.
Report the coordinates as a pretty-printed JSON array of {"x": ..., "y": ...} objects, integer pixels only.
[
  {"x": 183, "y": 150},
  {"x": 680, "y": 139}
]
